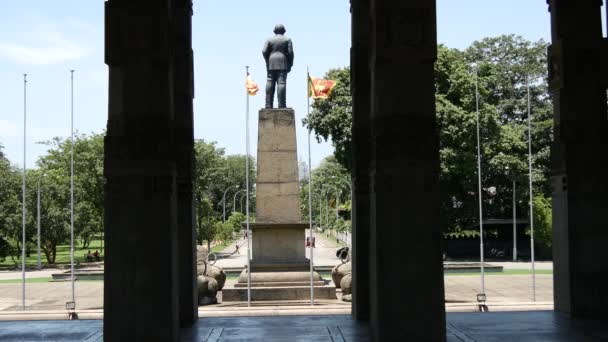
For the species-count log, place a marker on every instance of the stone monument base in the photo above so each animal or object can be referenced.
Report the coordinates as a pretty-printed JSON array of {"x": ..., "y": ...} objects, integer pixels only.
[
  {"x": 278, "y": 285},
  {"x": 277, "y": 278},
  {"x": 278, "y": 293}
]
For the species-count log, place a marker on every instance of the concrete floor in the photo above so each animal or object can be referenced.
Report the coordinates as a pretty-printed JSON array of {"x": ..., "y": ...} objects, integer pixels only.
[{"x": 461, "y": 327}]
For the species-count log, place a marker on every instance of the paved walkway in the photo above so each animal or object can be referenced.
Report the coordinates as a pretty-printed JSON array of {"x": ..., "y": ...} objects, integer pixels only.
[{"x": 461, "y": 290}]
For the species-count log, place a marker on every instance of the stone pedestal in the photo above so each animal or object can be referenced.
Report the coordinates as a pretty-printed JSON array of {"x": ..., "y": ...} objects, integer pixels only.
[
  {"x": 277, "y": 188},
  {"x": 279, "y": 245},
  {"x": 278, "y": 236}
]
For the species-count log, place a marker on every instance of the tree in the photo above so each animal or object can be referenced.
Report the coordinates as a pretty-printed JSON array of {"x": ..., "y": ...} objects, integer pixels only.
[
  {"x": 214, "y": 173},
  {"x": 330, "y": 181},
  {"x": 53, "y": 175},
  {"x": 54, "y": 209},
  {"x": 10, "y": 205},
  {"x": 543, "y": 228},
  {"x": 235, "y": 221},
  {"x": 505, "y": 66}
]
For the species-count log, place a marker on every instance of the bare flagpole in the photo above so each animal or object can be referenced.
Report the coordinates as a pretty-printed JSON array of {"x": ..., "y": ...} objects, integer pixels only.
[
  {"x": 72, "y": 187},
  {"x": 481, "y": 253},
  {"x": 312, "y": 289},
  {"x": 531, "y": 195},
  {"x": 23, "y": 194},
  {"x": 247, "y": 193}
]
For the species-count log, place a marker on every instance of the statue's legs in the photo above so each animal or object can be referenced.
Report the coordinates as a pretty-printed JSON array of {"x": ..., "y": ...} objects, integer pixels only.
[
  {"x": 270, "y": 87},
  {"x": 282, "y": 91}
]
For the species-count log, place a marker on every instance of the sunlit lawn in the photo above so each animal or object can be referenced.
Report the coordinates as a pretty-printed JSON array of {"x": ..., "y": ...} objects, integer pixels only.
[
  {"x": 504, "y": 272},
  {"x": 62, "y": 258}
]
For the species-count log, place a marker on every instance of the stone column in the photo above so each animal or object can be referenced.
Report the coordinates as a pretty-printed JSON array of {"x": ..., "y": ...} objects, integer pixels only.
[
  {"x": 360, "y": 88},
  {"x": 183, "y": 93},
  {"x": 141, "y": 281},
  {"x": 407, "y": 293},
  {"x": 577, "y": 76}
]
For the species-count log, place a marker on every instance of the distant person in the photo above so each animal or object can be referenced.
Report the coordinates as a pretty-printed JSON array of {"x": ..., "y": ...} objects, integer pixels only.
[
  {"x": 89, "y": 257},
  {"x": 96, "y": 256},
  {"x": 236, "y": 248}
]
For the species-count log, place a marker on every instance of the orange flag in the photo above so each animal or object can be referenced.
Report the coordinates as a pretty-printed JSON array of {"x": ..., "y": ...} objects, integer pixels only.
[
  {"x": 320, "y": 89},
  {"x": 252, "y": 87}
]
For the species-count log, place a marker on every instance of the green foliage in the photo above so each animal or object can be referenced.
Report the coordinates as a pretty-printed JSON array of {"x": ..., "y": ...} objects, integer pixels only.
[
  {"x": 543, "y": 225},
  {"x": 330, "y": 187},
  {"x": 505, "y": 65},
  {"x": 235, "y": 221},
  {"x": 216, "y": 172},
  {"x": 53, "y": 175},
  {"x": 10, "y": 205},
  {"x": 5, "y": 249},
  {"x": 224, "y": 231}
]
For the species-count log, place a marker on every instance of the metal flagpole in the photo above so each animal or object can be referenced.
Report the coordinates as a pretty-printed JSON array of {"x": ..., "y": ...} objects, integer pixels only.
[
  {"x": 514, "y": 223},
  {"x": 247, "y": 194},
  {"x": 38, "y": 264},
  {"x": 72, "y": 187},
  {"x": 481, "y": 254},
  {"x": 531, "y": 195},
  {"x": 310, "y": 234},
  {"x": 23, "y": 194}
]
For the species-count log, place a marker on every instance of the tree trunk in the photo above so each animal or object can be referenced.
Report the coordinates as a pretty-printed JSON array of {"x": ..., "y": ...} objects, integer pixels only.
[
  {"x": 54, "y": 252},
  {"x": 47, "y": 255}
]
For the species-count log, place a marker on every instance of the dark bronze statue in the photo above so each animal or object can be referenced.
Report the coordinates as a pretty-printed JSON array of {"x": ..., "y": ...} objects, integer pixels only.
[{"x": 278, "y": 53}]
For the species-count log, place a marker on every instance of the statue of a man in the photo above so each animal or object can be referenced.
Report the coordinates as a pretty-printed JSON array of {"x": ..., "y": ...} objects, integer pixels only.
[{"x": 278, "y": 53}]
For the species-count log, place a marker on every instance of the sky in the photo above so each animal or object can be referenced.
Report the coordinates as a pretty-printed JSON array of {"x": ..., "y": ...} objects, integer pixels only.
[{"x": 47, "y": 39}]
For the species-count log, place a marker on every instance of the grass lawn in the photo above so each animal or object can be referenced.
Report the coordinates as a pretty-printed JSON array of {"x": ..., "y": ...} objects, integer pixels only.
[
  {"x": 62, "y": 258},
  {"x": 29, "y": 280},
  {"x": 505, "y": 272},
  {"x": 222, "y": 246}
]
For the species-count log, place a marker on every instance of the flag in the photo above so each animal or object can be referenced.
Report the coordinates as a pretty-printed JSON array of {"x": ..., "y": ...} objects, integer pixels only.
[
  {"x": 252, "y": 87},
  {"x": 320, "y": 89}
]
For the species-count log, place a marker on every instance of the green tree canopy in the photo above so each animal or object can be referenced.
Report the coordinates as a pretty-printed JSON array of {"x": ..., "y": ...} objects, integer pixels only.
[{"x": 504, "y": 67}]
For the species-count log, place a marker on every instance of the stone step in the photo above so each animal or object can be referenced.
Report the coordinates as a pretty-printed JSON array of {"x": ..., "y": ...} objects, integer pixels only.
[
  {"x": 280, "y": 284},
  {"x": 278, "y": 293}
]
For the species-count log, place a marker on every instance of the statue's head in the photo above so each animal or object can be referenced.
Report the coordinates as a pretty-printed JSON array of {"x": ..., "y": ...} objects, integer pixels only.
[{"x": 279, "y": 29}]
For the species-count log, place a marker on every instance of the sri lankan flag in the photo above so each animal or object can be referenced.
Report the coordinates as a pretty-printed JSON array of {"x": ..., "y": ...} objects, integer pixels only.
[
  {"x": 252, "y": 87},
  {"x": 318, "y": 88}
]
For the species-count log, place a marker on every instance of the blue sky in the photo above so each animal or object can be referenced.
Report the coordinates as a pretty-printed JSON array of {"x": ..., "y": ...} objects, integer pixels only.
[{"x": 48, "y": 38}]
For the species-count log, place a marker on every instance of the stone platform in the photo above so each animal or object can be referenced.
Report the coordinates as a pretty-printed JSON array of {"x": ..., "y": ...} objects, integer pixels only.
[{"x": 274, "y": 293}]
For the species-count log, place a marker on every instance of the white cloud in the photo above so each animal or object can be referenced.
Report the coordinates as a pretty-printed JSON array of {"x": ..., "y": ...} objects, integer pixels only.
[{"x": 44, "y": 46}]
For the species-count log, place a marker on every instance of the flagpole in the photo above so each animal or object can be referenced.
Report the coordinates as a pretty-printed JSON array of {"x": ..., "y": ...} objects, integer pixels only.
[
  {"x": 247, "y": 192},
  {"x": 23, "y": 194},
  {"x": 481, "y": 253},
  {"x": 531, "y": 195},
  {"x": 72, "y": 186},
  {"x": 310, "y": 234}
]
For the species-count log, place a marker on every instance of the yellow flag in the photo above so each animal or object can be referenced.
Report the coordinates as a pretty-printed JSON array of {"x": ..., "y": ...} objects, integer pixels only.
[
  {"x": 252, "y": 87},
  {"x": 319, "y": 88}
]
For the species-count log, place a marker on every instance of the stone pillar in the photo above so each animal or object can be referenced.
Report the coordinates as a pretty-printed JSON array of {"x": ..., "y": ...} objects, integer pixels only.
[
  {"x": 183, "y": 93},
  {"x": 577, "y": 76},
  {"x": 141, "y": 280},
  {"x": 360, "y": 88},
  {"x": 407, "y": 293}
]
